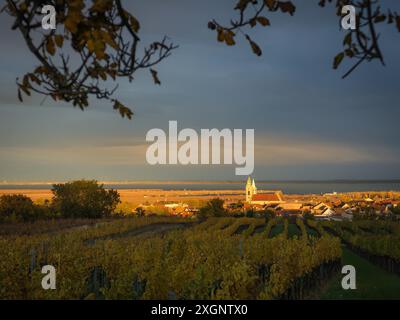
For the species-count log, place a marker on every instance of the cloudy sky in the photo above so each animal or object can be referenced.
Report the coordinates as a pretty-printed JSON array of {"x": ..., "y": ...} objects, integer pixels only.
[{"x": 309, "y": 123}]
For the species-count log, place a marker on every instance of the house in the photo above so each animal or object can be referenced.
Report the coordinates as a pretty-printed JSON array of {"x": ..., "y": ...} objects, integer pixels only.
[
  {"x": 320, "y": 208},
  {"x": 345, "y": 206},
  {"x": 327, "y": 214},
  {"x": 290, "y": 206}
]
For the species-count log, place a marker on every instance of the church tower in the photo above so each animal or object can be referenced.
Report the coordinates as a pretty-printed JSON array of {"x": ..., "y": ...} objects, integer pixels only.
[
  {"x": 251, "y": 189},
  {"x": 253, "y": 186}
]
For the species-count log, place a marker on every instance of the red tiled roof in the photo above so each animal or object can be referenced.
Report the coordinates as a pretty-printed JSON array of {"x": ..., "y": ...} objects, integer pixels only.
[{"x": 265, "y": 197}]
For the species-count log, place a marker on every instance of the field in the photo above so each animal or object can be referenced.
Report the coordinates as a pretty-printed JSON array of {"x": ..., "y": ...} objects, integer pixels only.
[
  {"x": 140, "y": 196},
  {"x": 217, "y": 258},
  {"x": 137, "y": 196}
]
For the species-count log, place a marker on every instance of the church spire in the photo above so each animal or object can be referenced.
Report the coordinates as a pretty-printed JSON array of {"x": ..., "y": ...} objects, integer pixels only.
[
  {"x": 251, "y": 189},
  {"x": 248, "y": 181}
]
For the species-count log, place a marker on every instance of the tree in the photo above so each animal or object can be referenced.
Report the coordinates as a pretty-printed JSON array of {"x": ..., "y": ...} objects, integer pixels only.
[
  {"x": 17, "y": 208},
  {"x": 104, "y": 38},
  {"x": 213, "y": 208},
  {"x": 361, "y": 44},
  {"x": 84, "y": 199},
  {"x": 250, "y": 213},
  {"x": 140, "y": 211},
  {"x": 100, "y": 35}
]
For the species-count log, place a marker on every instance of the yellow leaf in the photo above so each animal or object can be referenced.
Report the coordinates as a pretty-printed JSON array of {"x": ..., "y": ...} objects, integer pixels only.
[
  {"x": 338, "y": 60},
  {"x": 109, "y": 40},
  {"x": 50, "y": 47},
  {"x": 59, "y": 39},
  {"x": 254, "y": 46},
  {"x": 90, "y": 45},
  {"x": 229, "y": 40},
  {"x": 99, "y": 49},
  {"x": 103, "y": 75},
  {"x": 23, "y": 7},
  {"x": 221, "y": 35},
  {"x": 134, "y": 23},
  {"x": 270, "y": 3},
  {"x": 70, "y": 24}
]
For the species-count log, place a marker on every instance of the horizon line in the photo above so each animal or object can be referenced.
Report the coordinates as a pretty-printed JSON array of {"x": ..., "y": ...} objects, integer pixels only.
[{"x": 122, "y": 182}]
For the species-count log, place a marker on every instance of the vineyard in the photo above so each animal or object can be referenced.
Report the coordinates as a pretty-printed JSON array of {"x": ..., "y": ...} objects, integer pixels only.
[
  {"x": 178, "y": 258},
  {"x": 377, "y": 241}
]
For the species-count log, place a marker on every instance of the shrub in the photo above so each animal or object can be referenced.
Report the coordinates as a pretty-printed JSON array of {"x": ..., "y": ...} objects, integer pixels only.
[{"x": 84, "y": 199}]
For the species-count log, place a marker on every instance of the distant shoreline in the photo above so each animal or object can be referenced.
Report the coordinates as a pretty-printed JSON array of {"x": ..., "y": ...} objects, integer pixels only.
[
  {"x": 205, "y": 182},
  {"x": 287, "y": 187}
]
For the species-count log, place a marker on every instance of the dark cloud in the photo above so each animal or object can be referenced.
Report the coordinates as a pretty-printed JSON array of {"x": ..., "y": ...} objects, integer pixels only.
[{"x": 291, "y": 92}]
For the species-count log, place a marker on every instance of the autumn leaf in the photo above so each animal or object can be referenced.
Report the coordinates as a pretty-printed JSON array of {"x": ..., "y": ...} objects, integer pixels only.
[
  {"x": 349, "y": 53},
  {"x": 90, "y": 45},
  {"x": 50, "y": 47},
  {"x": 263, "y": 21},
  {"x": 101, "y": 6},
  {"x": 34, "y": 78},
  {"x": 229, "y": 40},
  {"x": 242, "y": 4},
  {"x": 270, "y": 4},
  {"x": 338, "y": 60},
  {"x": 123, "y": 111},
  {"x": 109, "y": 40},
  {"x": 99, "y": 49},
  {"x": 380, "y": 18},
  {"x": 59, "y": 40},
  {"x": 71, "y": 25},
  {"x": 103, "y": 75},
  {"x": 221, "y": 35},
  {"x": 348, "y": 39},
  {"x": 154, "y": 74},
  {"x": 254, "y": 46},
  {"x": 287, "y": 6},
  {"x": 134, "y": 23}
]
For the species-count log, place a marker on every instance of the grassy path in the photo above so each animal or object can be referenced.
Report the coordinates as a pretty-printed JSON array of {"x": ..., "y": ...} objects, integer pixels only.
[
  {"x": 372, "y": 281},
  {"x": 293, "y": 230},
  {"x": 312, "y": 232},
  {"x": 278, "y": 229}
]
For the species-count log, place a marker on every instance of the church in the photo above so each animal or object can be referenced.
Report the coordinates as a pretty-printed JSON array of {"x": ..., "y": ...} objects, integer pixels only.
[{"x": 265, "y": 198}]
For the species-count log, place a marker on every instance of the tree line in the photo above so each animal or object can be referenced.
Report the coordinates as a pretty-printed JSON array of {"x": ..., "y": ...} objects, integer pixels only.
[{"x": 77, "y": 199}]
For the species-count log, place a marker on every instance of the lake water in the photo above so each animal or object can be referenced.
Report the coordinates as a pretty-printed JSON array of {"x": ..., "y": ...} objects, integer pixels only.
[{"x": 288, "y": 187}]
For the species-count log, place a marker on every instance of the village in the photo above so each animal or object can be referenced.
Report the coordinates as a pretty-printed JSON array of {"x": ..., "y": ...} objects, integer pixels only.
[{"x": 254, "y": 202}]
